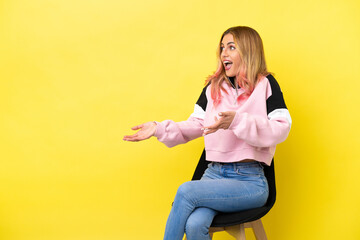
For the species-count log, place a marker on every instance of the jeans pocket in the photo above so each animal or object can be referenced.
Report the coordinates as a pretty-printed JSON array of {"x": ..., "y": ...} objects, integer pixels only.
[{"x": 250, "y": 171}]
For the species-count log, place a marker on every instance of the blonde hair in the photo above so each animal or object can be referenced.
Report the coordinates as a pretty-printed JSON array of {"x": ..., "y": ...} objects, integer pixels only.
[{"x": 252, "y": 67}]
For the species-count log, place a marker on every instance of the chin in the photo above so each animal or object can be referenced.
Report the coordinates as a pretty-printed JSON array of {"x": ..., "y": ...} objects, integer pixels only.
[{"x": 230, "y": 74}]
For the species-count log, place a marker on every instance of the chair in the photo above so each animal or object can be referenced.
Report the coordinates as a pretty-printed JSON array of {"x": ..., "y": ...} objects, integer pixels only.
[{"x": 236, "y": 222}]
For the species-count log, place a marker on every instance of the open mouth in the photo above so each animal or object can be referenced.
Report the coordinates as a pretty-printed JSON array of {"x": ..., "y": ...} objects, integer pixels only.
[{"x": 227, "y": 64}]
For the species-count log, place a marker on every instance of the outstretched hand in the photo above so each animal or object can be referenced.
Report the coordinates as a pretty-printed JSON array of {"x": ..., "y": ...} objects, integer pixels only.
[
  {"x": 147, "y": 130},
  {"x": 223, "y": 122}
]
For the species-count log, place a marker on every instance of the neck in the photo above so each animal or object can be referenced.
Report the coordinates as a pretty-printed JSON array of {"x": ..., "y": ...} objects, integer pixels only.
[{"x": 232, "y": 81}]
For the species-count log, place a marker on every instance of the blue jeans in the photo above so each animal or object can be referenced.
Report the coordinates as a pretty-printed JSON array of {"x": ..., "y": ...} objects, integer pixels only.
[{"x": 224, "y": 187}]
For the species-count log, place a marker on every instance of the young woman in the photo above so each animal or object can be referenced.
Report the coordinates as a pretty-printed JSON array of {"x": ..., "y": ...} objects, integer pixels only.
[{"x": 242, "y": 115}]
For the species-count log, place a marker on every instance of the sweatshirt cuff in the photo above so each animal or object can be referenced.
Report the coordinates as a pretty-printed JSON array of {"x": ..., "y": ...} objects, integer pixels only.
[
  {"x": 160, "y": 129},
  {"x": 235, "y": 121}
]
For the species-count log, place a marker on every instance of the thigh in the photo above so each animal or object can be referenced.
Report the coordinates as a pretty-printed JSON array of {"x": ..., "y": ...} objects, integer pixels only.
[{"x": 225, "y": 195}]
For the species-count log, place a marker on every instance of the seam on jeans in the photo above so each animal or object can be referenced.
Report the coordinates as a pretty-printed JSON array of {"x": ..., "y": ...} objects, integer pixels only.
[
  {"x": 241, "y": 197},
  {"x": 248, "y": 174}
]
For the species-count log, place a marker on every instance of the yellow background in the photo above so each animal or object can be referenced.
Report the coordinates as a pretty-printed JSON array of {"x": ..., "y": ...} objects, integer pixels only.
[{"x": 76, "y": 75}]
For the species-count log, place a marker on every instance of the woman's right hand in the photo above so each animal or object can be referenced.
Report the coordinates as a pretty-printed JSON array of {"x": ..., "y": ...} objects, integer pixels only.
[{"x": 147, "y": 130}]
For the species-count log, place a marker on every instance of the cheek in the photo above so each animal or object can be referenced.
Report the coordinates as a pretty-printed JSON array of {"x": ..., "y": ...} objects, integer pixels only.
[
  {"x": 237, "y": 66},
  {"x": 236, "y": 61}
]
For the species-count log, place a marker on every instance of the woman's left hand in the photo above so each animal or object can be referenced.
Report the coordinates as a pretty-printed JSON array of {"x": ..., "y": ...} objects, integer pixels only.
[{"x": 223, "y": 122}]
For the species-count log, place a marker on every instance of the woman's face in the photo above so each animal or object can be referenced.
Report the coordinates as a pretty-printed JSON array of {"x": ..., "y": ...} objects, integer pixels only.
[{"x": 230, "y": 57}]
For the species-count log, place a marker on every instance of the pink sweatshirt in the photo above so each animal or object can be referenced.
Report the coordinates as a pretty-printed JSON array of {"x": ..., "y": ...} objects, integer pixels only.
[{"x": 261, "y": 122}]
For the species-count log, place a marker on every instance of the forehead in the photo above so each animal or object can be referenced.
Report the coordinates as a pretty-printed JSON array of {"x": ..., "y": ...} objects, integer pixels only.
[{"x": 227, "y": 38}]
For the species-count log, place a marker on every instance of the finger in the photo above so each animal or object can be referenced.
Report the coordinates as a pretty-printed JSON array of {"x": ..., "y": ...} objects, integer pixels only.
[
  {"x": 131, "y": 136},
  {"x": 137, "y": 127},
  {"x": 132, "y": 139},
  {"x": 209, "y": 132},
  {"x": 138, "y": 138},
  {"x": 128, "y": 139},
  {"x": 128, "y": 136},
  {"x": 224, "y": 114},
  {"x": 218, "y": 125},
  {"x": 214, "y": 126}
]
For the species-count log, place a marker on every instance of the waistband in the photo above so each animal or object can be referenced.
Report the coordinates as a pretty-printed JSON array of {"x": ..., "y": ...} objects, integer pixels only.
[{"x": 239, "y": 164}]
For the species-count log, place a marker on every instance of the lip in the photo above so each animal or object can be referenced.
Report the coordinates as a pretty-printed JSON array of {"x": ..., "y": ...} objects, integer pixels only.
[{"x": 227, "y": 64}]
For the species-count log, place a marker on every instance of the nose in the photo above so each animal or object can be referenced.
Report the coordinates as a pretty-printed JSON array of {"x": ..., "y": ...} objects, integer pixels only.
[{"x": 224, "y": 53}]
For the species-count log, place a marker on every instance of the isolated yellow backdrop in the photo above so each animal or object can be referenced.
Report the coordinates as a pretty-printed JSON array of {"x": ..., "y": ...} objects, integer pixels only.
[{"x": 76, "y": 75}]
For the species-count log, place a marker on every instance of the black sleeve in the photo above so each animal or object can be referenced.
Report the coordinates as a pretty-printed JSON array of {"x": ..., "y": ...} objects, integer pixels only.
[
  {"x": 276, "y": 100},
  {"x": 202, "y": 101}
]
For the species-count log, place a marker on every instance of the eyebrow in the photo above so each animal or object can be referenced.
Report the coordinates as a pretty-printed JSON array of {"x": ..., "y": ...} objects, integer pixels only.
[{"x": 228, "y": 43}]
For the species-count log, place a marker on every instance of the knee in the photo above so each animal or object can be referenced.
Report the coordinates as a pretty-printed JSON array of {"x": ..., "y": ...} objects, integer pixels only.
[{"x": 185, "y": 190}]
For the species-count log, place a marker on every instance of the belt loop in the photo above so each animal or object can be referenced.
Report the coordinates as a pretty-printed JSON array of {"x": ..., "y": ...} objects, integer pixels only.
[{"x": 262, "y": 167}]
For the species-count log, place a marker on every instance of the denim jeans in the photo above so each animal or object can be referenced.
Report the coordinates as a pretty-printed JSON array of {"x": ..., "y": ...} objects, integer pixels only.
[{"x": 224, "y": 187}]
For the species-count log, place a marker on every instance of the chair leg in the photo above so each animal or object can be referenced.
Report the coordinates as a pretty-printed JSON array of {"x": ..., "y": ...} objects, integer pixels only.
[
  {"x": 237, "y": 231},
  {"x": 241, "y": 234},
  {"x": 258, "y": 230}
]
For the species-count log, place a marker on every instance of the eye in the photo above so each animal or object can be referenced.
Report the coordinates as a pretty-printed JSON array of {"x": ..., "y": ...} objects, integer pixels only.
[{"x": 232, "y": 48}]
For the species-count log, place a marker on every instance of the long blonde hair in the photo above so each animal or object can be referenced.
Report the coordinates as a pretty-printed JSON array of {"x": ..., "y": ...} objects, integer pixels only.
[{"x": 252, "y": 67}]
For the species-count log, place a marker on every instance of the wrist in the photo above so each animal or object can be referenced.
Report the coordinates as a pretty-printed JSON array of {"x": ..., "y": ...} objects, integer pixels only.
[{"x": 155, "y": 125}]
